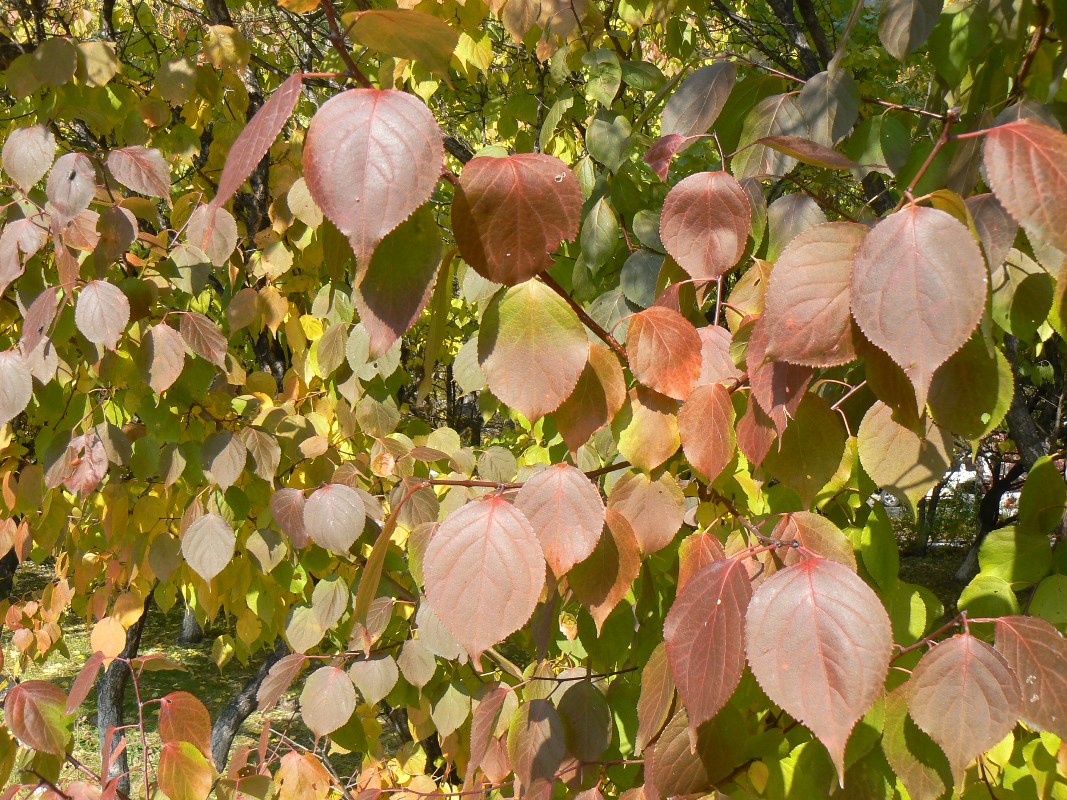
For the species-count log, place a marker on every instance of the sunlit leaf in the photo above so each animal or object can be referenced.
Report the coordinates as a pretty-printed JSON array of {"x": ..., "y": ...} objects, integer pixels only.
[
  {"x": 1036, "y": 652},
  {"x": 406, "y": 33},
  {"x": 16, "y": 385},
  {"x": 705, "y": 223},
  {"x": 183, "y": 718},
  {"x": 184, "y": 773},
  {"x": 334, "y": 517},
  {"x": 141, "y": 169},
  {"x": 706, "y": 428},
  {"x": 566, "y": 511},
  {"x": 328, "y": 700},
  {"x": 598, "y": 396},
  {"x": 653, "y": 507},
  {"x": 27, "y": 154},
  {"x": 35, "y": 711},
  {"x": 897, "y": 458},
  {"x": 208, "y": 545},
  {"x": 102, "y": 313}
]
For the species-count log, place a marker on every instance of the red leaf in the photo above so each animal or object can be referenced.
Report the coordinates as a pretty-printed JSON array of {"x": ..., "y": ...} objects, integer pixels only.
[
  {"x": 705, "y": 223},
  {"x": 183, "y": 718},
  {"x": 184, "y": 773},
  {"x": 1025, "y": 164},
  {"x": 1037, "y": 654},
  {"x": 203, "y": 337},
  {"x": 777, "y": 387},
  {"x": 919, "y": 290},
  {"x": 566, "y": 512},
  {"x": 807, "y": 305},
  {"x": 38, "y": 319},
  {"x": 716, "y": 365},
  {"x": 657, "y": 697},
  {"x": 371, "y": 158},
  {"x": 141, "y": 169},
  {"x": 814, "y": 533},
  {"x": 287, "y": 506},
  {"x": 510, "y": 214},
  {"x": 808, "y": 151},
  {"x": 995, "y": 227},
  {"x": 596, "y": 399},
  {"x": 706, "y": 426},
  {"x": 663, "y": 350},
  {"x": 705, "y": 633},
  {"x": 328, "y": 700},
  {"x": 484, "y": 723},
  {"x": 536, "y": 745},
  {"x": 484, "y": 570},
  {"x": 603, "y": 579},
  {"x": 696, "y": 552},
  {"x": 532, "y": 348},
  {"x": 334, "y": 517},
  {"x": 965, "y": 696},
  {"x": 654, "y": 508},
  {"x": 663, "y": 151},
  {"x": 35, "y": 712},
  {"x": 278, "y": 680},
  {"x": 755, "y": 433},
  {"x": 84, "y": 682},
  {"x": 397, "y": 285},
  {"x": 256, "y": 138},
  {"x": 819, "y": 643}
]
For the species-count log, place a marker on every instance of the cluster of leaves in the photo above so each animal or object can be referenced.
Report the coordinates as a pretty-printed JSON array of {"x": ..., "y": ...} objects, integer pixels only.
[{"x": 665, "y": 575}]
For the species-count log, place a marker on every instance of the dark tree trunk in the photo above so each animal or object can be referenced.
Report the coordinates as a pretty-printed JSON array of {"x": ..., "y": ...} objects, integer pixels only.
[
  {"x": 9, "y": 564},
  {"x": 241, "y": 705},
  {"x": 110, "y": 698},
  {"x": 191, "y": 633}
]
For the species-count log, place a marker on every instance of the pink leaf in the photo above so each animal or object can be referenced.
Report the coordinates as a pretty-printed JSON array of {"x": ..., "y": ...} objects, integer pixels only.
[
  {"x": 705, "y": 223},
  {"x": 566, "y": 512}
]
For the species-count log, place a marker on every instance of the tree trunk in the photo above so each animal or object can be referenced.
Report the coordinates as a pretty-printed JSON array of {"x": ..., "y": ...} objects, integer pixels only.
[
  {"x": 191, "y": 633},
  {"x": 241, "y": 705},
  {"x": 110, "y": 698}
]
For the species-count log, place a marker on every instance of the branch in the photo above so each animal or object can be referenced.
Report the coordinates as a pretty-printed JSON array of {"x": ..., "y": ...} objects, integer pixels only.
[
  {"x": 587, "y": 320},
  {"x": 337, "y": 39}
]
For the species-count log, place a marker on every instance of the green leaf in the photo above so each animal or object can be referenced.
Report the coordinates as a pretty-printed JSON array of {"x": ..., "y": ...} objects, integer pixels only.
[
  {"x": 1043, "y": 497},
  {"x": 1019, "y": 557},
  {"x": 605, "y": 76}
]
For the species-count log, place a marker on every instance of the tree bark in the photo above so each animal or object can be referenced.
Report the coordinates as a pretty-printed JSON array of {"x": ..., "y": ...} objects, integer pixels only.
[
  {"x": 110, "y": 698},
  {"x": 191, "y": 633},
  {"x": 241, "y": 705}
]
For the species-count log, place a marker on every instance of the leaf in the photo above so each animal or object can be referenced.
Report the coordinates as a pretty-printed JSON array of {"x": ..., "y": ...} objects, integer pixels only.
[
  {"x": 647, "y": 431},
  {"x": 755, "y": 433},
  {"x": 566, "y": 512},
  {"x": 777, "y": 387},
  {"x": 484, "y": 570},
  {"x": 279, "y": 678},
  {"x": 807, "y": 152},
  {"x": 808, "y": 321},
  {"x": 587, "y": 720},
  {"x": 27, "y": 155},
  {"x": 511, "y": 214},
  {"x": 327, "y": 701},
  {"x": 223, "y": 458},
  {"x": 662, "y": 151},
  {"x": 255, "y": 139},
  {"x": 536, "y": 744},
  {"x": 656, "y": 699},
  {"x": 374, "y": 677},
  {"x": 141, "y": 169},
  {"x": 654, "y": 508},
  {"x": 102, "y": 313},
  {"x": 677, "y": 765},
  {"x": 213, "y": 230},
  {"x": 208, "y": 545},
  {"x": 484, "y": 723},
  {"x": 995, "y": 227},
  {"x": 334, "y": 517},
  {"x": 183, "y": 718},
  {"x": 906, "y": 24},
  {"x": 396, "y": 286},
  {"x": 914, "y": 757},
  {"x": 605, "y": 76},
  {"x": 705, "y": 224},
  {"x": 964, "y": 695},
  {"x": 971, "y": 392},
  {"x": 602, "y": 580},
  {"x": 287, "y": 506},
  {"x": 406, "y": 33},
  {"x": 532, "y": 348},
  {"x": 23, "y": 236},
  {"x": 35, "y": 711},
  {"x": 664, "y": 351},
  {"x": 897, "y": 458},
  {"x": 830, "y": 104},
  {"x": 108, "y": 638},
  {"x": 84, "y": 682},
  {"x": 816, "y": 534},
  {"x": 596, "y": 399},
  {"x": 1042, "y": 500},
  {"x": 695, "y": 105},
  {"x": 265, "y": 451},
  {"x": 1036, "y": 652},
  {"x": 696, "y": 552},
  {"x": 184, "y": 773},
  {"x": 371, "y": 157},
  {"x": 71, "y": 186},
  {"x": 203, "y": 337},
  {"x": 704, "y": 633},
  {"x": 819, "y": 643},
  {"x": 773, "y": 116},
  {"x": 706, "y": 428},
  {"x": 301, "y": 776},
  {"x": 716, "y": 365},
  {"x": 919, "y": 290},
  {"x": 16, "y": 385}
]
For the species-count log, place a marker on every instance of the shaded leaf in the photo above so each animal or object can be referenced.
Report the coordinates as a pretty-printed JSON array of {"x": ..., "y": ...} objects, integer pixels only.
[
  {"x": 287, "y": 506},
  {"x": 906, "y": 24},
  {"x": 484, "y": 571},
  {"x": 964, "y": 695},
  {"x": 102, "y": 313},
  {"x": 777, "y": 115},
  {"x": 919, "y": 290},
  {"x": 279, "y": 678},
  {"x": 706, "y": 428},
  {"x": 995, "y": 227},
  {"x": 1036, "y": 652},
  {"x": 532, "y": 348},
  {"x": 203, "y": 337},
  {"x": 223, "y": 458},
  {"x": 511, "y": 214},
  {"x": 695, "y": 105},
  {"x": 657, "y": 697},
  {"x": 406, "y": 33},
  {"x": 897, "y": 458},
  {"x": 705, "y": 223},
  {"x": 16, "y": 385},
  {"x": 536, "y": 743},
  {"x": 597, "y": 398},
  {"x": 654, "y": 508},
  {"x": 603, "y": 579},
  {"x": 914, "y": 757},
  {"x": 35, "y": 711},
  {"x": 587, "y": 720},
  {"x": 777, "y": 386},
  {"x": 816, "y": 534},
  {"x": 819, "y": 643},
  {"x": 648, "y": 429}
]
